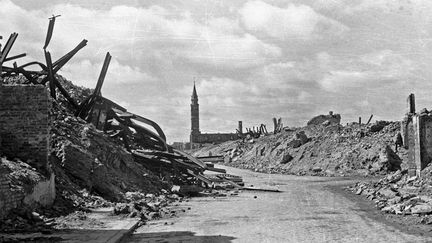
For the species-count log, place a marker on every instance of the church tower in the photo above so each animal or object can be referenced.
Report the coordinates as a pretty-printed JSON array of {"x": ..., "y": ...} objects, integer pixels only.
[{"x": 194, "y": 115}]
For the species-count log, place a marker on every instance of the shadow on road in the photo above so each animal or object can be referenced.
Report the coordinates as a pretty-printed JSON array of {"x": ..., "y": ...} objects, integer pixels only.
[{"x": 179, "y": 236}]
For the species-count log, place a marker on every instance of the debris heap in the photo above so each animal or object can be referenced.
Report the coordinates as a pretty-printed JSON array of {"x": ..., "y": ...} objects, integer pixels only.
[
  {"x": 99, "y": 152},
  {"x": 328, "y": 149},
  {"x": 398, "y": 193}
]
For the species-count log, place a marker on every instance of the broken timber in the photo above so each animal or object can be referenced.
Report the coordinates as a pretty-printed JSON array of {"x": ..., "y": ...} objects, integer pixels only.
[{"x": 147, "y": 147}]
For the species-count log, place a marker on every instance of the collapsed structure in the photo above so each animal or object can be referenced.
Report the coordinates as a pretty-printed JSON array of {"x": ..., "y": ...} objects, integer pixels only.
[{"x": 38, "y": 129}]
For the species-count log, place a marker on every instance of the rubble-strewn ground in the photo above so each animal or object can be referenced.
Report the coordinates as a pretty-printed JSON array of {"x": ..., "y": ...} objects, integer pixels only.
[
  {"x": 332, "y": 150},
  {"x": 92, "y": 170},
  {"x": 341, "y": 151},
  {"x": 95, "y": 171},
  {"x": 400, "y": 194},
  {"x": 308, "y": 209}
]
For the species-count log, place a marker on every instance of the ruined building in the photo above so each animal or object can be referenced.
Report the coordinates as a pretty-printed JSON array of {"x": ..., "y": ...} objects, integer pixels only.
[
  {"x": 416, "y": 131},
  {"x": 24, "y": 134},
  {"x": 196, "y": 137}
]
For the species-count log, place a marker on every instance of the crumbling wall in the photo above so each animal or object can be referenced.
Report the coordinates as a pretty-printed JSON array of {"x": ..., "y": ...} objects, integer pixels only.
[
  {"x": 42, "y": 193},
  {"x": 409, "y": 141},
  {"x": 21, "y": 186},
  {"x": 24, "y": 123},
  {"x": 24, "y": 132},
  {"x": 213, "y": 137},
  {"x": 420, "y": 141},
  {"x": 426, "y": 139},
  {"x": 417, "y": 135},
  {"x": 9, "y": 198}
]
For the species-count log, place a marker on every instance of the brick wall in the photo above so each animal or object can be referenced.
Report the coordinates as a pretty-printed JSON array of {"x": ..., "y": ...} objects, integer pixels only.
[
  {"x": 213, "y": 137},
  {"x": 24, "y": 123},
  {"x": 24, "y": 134}
]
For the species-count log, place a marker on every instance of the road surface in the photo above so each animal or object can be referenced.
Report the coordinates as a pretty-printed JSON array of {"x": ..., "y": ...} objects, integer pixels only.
[{"x": 310, "y": 209}]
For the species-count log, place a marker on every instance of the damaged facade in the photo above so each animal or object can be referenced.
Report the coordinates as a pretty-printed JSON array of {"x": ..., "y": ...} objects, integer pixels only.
[{"x": 416, "y": 130}]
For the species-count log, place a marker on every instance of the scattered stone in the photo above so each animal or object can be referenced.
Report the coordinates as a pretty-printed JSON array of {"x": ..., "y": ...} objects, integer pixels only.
[
  {"x": 386, "y": 193},
  {"x": 397, "y": 193},
  {"x": 394, "y": 200},
  {"x": 326, "y": 123},
  {"x": 395, "y": 177},
  {"x": 316, "y": 169},
  {"x": 421, "y": 209},
  {"x": 302, "y": 137},
  {"x": 152, "y": 215},
  {"x": 295, "y": 143},
  {"x": 286, "y": 158},
  {"x": 121, "y": 208}
]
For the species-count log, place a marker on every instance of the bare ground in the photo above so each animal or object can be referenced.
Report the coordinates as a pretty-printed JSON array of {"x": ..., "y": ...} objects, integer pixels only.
[{"x": 310, "y": 209}]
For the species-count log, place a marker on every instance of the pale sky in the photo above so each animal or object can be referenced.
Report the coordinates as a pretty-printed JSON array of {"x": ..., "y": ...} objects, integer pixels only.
[{"x": 252, "y": 60}]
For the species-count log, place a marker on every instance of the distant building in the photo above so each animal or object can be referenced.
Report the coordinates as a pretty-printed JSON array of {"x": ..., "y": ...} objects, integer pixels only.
[
  {"x": 196, "y": 137},
  {"x": 180, "y": 145}
]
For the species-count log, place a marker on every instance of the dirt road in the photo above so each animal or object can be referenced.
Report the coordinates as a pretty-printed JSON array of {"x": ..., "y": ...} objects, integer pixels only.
[{"x": 310, "y": 209}]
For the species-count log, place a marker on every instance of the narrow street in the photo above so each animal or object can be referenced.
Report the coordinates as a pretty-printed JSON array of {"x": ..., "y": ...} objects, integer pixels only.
[{"x": 306, "y": 211}]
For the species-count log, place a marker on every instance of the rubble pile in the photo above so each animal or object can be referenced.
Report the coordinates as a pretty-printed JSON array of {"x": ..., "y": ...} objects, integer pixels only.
[
  {"x": 327, "y": 149},
  {"x": 99, "y": 153},
  {"x": 21, "y": 178},
  {"x": 147, "y": 206},
  {"x": 325, "y": 119},
  {"x": 92, "y": 160},
  {"x": 95, "y": 170},
  {"x": 400, "y": 194}
]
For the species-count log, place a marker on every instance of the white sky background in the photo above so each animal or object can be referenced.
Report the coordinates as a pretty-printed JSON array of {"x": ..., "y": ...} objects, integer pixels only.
[{"x": 253, "y": 60}]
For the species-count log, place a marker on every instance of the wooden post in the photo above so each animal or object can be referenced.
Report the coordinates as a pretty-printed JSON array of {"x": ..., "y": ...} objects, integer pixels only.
[
  {"x": 275, "y": 125},
  {"x": 370, "y": 119}
]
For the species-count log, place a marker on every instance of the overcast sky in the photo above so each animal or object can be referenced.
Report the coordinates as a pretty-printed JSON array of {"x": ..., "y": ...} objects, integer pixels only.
[{"x": 252, "y": 60}]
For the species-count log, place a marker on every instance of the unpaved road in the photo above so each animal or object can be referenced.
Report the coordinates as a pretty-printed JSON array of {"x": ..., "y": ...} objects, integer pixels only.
[{"x": 310, "y": 209}]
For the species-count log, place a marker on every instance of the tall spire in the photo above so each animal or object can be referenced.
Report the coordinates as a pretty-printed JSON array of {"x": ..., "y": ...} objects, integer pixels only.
[
  {"x": 194, "y": 93},
  {"x": 194, "y": 115}
]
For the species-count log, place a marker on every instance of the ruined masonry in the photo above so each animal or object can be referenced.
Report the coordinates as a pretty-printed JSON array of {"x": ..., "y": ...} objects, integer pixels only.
[
  {"x": 199, "y": 138},
  {"x": 24, "y": 134},
  {"x": 416, "y": 131}
]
